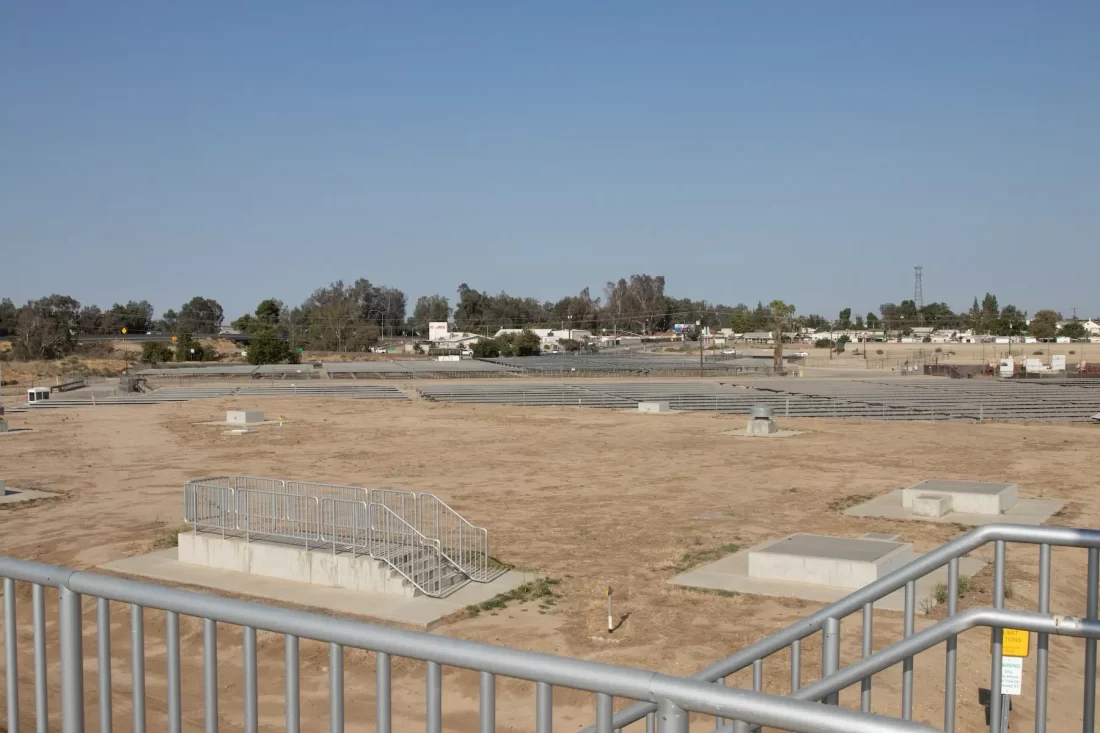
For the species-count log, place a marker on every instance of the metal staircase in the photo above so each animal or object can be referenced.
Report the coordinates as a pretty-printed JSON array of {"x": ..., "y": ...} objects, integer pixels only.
[{"x": 422, "y": 539}]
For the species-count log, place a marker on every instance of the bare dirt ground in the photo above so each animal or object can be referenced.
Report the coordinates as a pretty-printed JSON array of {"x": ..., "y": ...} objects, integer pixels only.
[{"x": 585, "y": 496}]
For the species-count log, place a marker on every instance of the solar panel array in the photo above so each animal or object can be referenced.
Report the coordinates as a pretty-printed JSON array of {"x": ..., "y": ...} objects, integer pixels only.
[
  {"x": 569, "y": 364},
  {"x": 267, "y": 389},
  {"x": 412, "y": 369},
  {"x": 913, "y": 399}
]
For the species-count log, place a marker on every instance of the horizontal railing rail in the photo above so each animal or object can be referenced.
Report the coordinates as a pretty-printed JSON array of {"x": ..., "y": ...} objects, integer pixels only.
[
  {"x": 675, "y": 697},
  {"x": 828, "y": 621},
  {"x": 464, "y": 544}
]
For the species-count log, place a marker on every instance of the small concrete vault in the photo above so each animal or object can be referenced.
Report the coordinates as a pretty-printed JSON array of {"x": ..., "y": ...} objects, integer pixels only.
[
  {"x": 961, "y": 502},
  {"x": 820, "y": 568}
]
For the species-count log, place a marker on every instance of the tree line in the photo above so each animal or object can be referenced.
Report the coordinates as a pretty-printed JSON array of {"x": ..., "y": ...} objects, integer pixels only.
[{"x": 352, "y": 317}]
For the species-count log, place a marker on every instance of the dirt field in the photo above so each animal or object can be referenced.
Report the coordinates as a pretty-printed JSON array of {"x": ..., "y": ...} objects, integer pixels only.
[
  {"x": 893, "y": 354},
  {"x": 584, "y": 496}
]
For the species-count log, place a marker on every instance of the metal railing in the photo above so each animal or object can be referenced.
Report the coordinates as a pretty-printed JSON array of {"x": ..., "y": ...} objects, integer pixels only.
[
  {"x": 828, "y": 621},
  {"x": 464, "y": 544},
  {"x": 343, "y": 525},
  {"x": 673, "y": 697}
]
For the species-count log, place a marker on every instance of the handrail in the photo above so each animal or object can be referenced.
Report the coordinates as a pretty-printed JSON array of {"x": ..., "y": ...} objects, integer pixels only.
[
  {"x": 423, "y": 542},
  {"x": 477, "y": 570},
  {"x": 975, "y": 538},
  {"x": 1039, "y": 623},
  {"x": 606, "y": 679}
]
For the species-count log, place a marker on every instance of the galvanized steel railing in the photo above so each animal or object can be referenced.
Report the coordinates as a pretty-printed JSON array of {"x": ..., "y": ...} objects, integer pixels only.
[
  {"x": 343, "y": 525},
  {"x": 673, "y": 697},
  {"x": 464, "y": 544},
  {"x": 828, "y": 622}
]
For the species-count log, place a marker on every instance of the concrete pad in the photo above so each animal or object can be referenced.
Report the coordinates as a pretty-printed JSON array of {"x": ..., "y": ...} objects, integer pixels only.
[
  {"x": 967, "y": 497},
  {"x": 823, "y": 560},
  {"x": 1025, "y": 511},
  {"x": 776, "y": 434},
  {"x": 15, "y": 496},
  {"x": 880, "y": 536},
  {"x": 421, "y": 612},
  {"x": 731, "y": 573}
]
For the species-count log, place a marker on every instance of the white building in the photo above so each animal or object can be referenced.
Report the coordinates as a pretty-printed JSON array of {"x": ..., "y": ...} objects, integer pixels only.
[{"x": 549, "y": 338}]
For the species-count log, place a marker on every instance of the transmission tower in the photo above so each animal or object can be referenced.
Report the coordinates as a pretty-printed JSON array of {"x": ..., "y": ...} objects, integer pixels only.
[{"x": 918, "y": 293}]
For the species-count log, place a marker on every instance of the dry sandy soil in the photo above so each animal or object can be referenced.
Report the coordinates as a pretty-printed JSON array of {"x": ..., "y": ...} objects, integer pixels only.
[{"x": 582, "y": 495}]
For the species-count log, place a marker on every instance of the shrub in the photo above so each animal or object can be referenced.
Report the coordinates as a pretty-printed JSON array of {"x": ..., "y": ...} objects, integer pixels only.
[
  {"x": 939, "y": 350},
  {"x": 154, "y": 352},
  {"x": 185, "y": 345},
  {"x": 267, "y": 348},
  {"x": 824, "y": 344},
  {"x": 840, "y": 343},
  {"x": 1071, "y": 351},
  {"x": 878, "y": 351},
  {"x": 926, "y": 340},
  {"x": 1037, "y": 353},
  {"x": 487, "y": 349}
]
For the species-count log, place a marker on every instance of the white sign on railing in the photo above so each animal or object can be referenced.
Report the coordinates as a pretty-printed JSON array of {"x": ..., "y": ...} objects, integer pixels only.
[{"x": 1012, "y": 675}]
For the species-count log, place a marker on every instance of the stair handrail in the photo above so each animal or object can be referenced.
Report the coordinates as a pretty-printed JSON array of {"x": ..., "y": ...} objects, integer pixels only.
[
  {"x": 478, "y": 570},
  {"x": 377, "y": 534},
  {"x": 815, "y": 622}
]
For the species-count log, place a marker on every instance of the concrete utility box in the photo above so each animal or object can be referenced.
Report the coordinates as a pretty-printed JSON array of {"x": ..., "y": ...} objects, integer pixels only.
[
  {"x": 653, "y": 407},
  {"x": 824, "y": 560},
  {"x": 3, "y": 491},
  {"x": 244, "y": 417},
  {"x": 931, "y": 505},
  {"x": 965, "y": 497}
]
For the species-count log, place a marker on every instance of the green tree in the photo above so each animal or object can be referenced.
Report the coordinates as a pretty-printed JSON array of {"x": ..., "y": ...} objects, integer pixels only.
[
  {"x": 859, "y": 323},
  {"x": 1073, "y": 330},
  {"x": 267, "y": 348},
  {"x": 486, "y": 349},
  {"x": 840, "y": 342},
  {"x": 155, "y": 352},
  {"x": 200, "y": 315},
  {"x": 1044, "y": 325},
  {"x": 781, "y": 312},
  {"x": 873, "y": 321},
  {"x": 188, "y": 349},
  {"x": 46, "y": 328},
  {"x": 845, "y": 319}
]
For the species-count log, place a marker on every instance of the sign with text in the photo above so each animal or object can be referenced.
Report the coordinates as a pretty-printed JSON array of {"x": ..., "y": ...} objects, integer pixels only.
[
  {"x": 437, "y": 330},
  {"x": 1014, "y": 643},
  {"x": 1012, "y": 675}
]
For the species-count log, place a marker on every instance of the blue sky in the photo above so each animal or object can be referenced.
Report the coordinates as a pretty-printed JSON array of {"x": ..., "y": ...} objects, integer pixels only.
[{"x": 809, "y": 151}]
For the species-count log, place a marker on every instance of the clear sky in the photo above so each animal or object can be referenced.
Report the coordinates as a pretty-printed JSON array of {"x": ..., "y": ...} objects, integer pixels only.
[{"x": 809, "y": 151}]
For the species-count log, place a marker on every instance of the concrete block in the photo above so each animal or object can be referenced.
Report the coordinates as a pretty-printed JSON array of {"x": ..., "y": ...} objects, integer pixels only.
[
  {"x": 931, "y": 505},
  {"x": 756, "y": 426},
  {"x": 967, "y": 497},
  {"x": 823, "y": 560},
  {"x": 2, "y": 489},
  {"x": 244, "y": 417},
  {"x": 287, "y": 562},
  {"x": 653, "y": 407}
]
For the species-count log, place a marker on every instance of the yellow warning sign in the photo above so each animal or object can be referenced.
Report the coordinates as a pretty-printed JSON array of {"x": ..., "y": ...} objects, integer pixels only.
[
  {"x": 124, "y": 329},
  {"x": 175, "y": 338},
  {"x": 1015, "y": 643}
]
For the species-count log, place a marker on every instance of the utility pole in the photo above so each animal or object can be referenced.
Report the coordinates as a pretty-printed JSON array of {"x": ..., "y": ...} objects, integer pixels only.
[{"x": 699, "y": 331}]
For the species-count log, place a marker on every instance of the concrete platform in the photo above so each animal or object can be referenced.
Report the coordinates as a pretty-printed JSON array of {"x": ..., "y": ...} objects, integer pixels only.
[
  {"x": 966, "y": 497},
  {"x": 833, "y": 561},
  {"x": 421, "y": 612},
  {"x": 1025, "y": 511},
  {"x": 731, "y": 573}
]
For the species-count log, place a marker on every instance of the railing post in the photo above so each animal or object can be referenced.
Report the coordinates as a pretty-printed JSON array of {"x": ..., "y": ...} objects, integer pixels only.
[
  {"x": 604, "y": 713},
  {"x": 38, "y": 610},
  {"x": 796, "y": 665},
  {"x": 292, "y": 685},
  {"x": 382, "y": 693},
  {"x": 544, "y": 708},
  {"x": 11, "y": 657},
  {"x": 103, "y": 658},
  {"x": 671, "y": 719},
  {"x": 487, "y": 703},
  {"x": 1042, "y": 660},
  {"x": 907, "y": 665},
  {"x": 867, "y": 650},
  {"x": 997, "y": 638},
  {"x": 137, "y": 666},
  {"x": 1089, "y": 712},
  {"x": 830, "y": 654},
  {"x": 434, "y": 695},
  {"x": 949, "y": 695},
  {"x": 72, "y": 663}
]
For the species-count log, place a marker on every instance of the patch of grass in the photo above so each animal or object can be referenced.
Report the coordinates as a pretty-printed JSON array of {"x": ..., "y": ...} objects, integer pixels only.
[
  {"x": 541, "y": 589},
  {"x": 939, "y": 591},
  {"x": 168, "y": 537},
  {"x": 847, "y": 502},
  {"x": 701, "y": 557}
]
